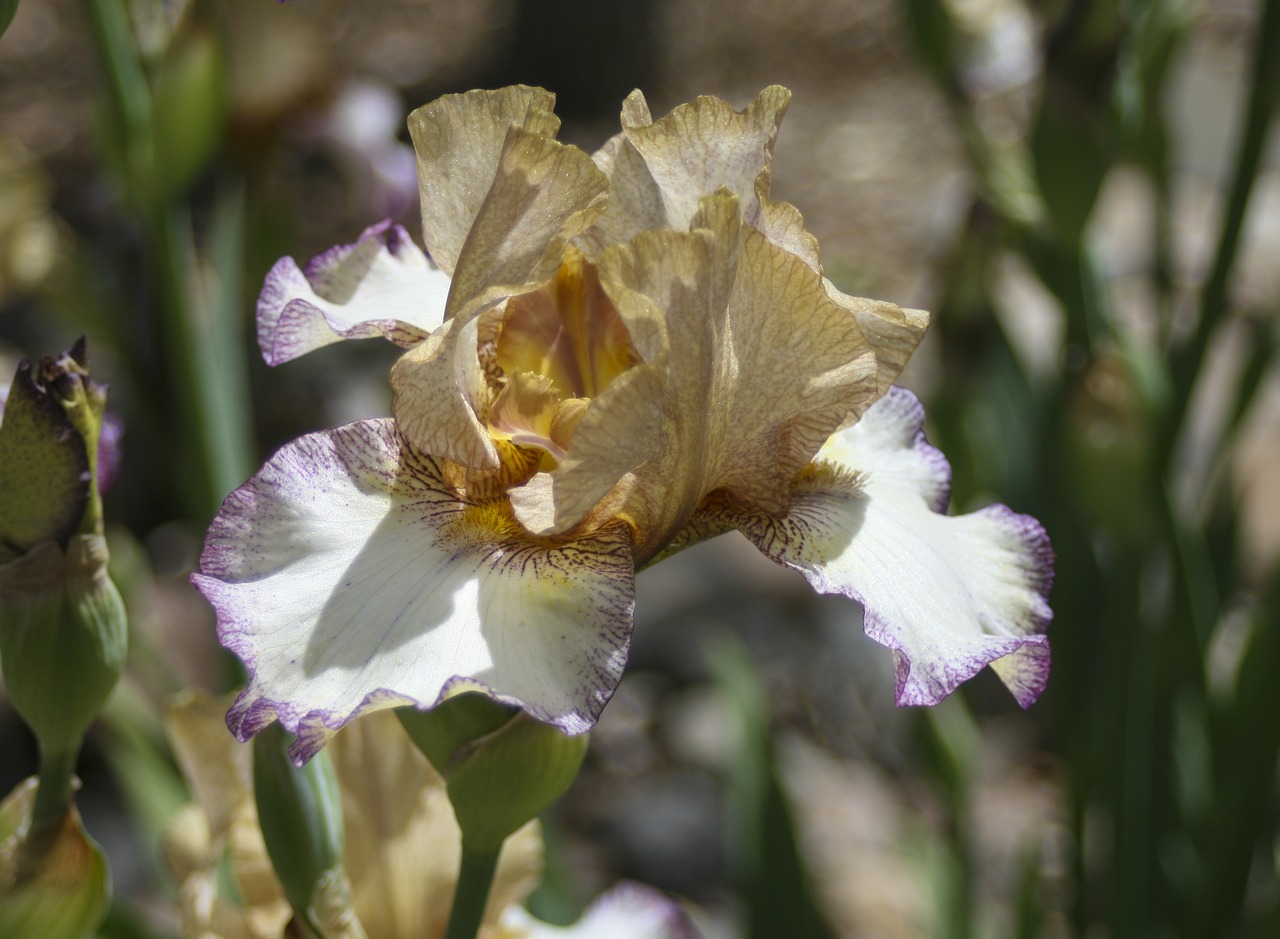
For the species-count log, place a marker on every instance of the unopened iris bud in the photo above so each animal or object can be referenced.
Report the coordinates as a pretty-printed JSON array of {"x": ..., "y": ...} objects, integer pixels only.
[
  {"x": 502, "y": 767},
  {"x": 300, "y": 814},
  {"x": 63, "y": 631},
  {"x": 63, "y": 637}
]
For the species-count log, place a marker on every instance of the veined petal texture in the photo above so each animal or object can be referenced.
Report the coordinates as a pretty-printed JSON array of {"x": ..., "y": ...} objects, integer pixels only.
[
  {"x": 349, "y": 577},
  {"x": 948, "y": 594},
  {"x": 382, "y": 285}
]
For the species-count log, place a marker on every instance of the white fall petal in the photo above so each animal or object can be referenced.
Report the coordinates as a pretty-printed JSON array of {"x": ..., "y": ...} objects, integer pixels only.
[
  {"x": 352, "y": 578},
  {"x": 628, "y": 911},
  {"x": 948, "y": 594},
  {"x": 381, "y": 285}
]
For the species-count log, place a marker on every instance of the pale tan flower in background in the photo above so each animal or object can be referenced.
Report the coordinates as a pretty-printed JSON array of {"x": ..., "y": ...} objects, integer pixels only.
[{"x": 402, "y": 845}]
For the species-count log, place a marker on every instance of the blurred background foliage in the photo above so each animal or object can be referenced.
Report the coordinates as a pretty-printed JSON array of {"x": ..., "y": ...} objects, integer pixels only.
[{"x": 1081, "y": 191}]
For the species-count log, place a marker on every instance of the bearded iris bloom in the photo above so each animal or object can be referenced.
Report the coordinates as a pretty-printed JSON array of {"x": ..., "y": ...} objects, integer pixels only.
[{"x": 609, "y": 358}]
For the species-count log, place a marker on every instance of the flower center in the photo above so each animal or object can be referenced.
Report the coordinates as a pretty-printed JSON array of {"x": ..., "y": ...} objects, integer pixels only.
[{"x": 558, "y": 348}]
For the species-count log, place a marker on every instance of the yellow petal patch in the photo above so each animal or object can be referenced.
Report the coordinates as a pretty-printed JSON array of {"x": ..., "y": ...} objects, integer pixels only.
[
  {"x": 567, "y": 331},
  {"x": 523, "y": 413}
]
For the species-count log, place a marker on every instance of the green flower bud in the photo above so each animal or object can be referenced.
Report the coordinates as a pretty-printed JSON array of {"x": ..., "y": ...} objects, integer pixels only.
[
  {"x": 502, "y": 767},
  {"x": 63, "y": 631},
  {"x": 48, "y": 453},
  {"x": 54, "y": 881},
  {"x": 63, "y": 637},
  {"x": 300, "y": 814}
]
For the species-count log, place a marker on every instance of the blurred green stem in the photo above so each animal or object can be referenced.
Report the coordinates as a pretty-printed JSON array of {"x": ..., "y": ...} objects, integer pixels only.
[
  {"x": 202, "y": 348},
  {"x": 1263, "y": 94},
  {"x": 54, "y": 791},
  {"x": 127, "y": 81},
  {"x": 199, "y": 311},
  {"x": 475, "y": 877}
]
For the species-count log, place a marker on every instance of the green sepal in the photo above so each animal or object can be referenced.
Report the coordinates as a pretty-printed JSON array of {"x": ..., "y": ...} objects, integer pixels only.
[
  {"x": 54, "y": 879},
  {"x": 502, "y": 768},
  {"x": 64, "y": 637},
  {"x": 300, "y": 814}
]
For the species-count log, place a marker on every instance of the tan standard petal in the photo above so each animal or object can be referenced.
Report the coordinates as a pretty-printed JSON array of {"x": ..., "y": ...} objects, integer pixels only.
[
  {"x": 635, "y": 201},
  {"x": 706, "y": 144},
  {"x": 761, "y": 366},
  {"x": 892, "y": 331},
  {"x": 616, "y": 433},
  {"x": 783, "y": 224},
  {"x": 217, "y": 766},
  {"x": 543, "y": 194},
  {"x": 459, "y": 140},
  {"x": 440, "y": 387}
]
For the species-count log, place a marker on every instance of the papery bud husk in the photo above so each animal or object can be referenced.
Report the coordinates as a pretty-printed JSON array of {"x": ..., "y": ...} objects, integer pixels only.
[
  {"x": 63, "y": 637},
  {"x": 502, "y": 767},
  {"x": 54, "y": 880}
]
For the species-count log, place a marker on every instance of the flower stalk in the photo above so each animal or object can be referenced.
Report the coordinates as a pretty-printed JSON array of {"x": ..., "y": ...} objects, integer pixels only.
[
  {"x": 475, "y": 878},
  {"x": 63, "y": 638}
]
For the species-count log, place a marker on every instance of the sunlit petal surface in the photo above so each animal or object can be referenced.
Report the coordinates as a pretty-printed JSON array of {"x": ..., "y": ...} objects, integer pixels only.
[
  {"x": 948, "y": 595},
  {"x": 382, "y": 285},
  {"x": 352, "y": 578},
  {"x": 634, "y": 350}
]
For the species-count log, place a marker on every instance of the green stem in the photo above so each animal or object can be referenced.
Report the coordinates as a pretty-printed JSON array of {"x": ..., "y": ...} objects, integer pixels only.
[
  {"x": 475, "y": 877},
  {"x": 54, "y": 792},
  {"x": 1263, "y": 95}
]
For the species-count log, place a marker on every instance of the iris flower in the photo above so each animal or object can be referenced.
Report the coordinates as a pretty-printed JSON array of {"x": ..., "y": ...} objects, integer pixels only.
[
  {"x": 609, "y": 358},
  {"x": 401, "y": 855}
]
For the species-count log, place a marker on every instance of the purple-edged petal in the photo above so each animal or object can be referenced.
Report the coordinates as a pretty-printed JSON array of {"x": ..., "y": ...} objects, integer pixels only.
[
  {"x": 382, "y": 285},
  {"x": 627, "y": 911},
  {"x": 349, "y": 578},
  {"x": 948, "y": 594}
]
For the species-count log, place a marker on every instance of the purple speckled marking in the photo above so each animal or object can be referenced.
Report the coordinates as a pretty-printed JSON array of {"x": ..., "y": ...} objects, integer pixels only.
[
  {"x": 298, "y": 510},
  {"x": 298, "y": 308},
  {"x": 908, "y": 409},
  {"x": 998, "y": 563}
]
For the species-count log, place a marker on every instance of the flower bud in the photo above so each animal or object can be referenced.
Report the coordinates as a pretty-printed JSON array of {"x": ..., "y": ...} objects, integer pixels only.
[
  {"x": 63, "y": 631},
  {"x": 54, "y": 881},
  {"x": 48, "y": 450},
  {"x": 63, "y": 637},
  {"x": 501, "y": 766},
  {"x": 300, "y": 814}
]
